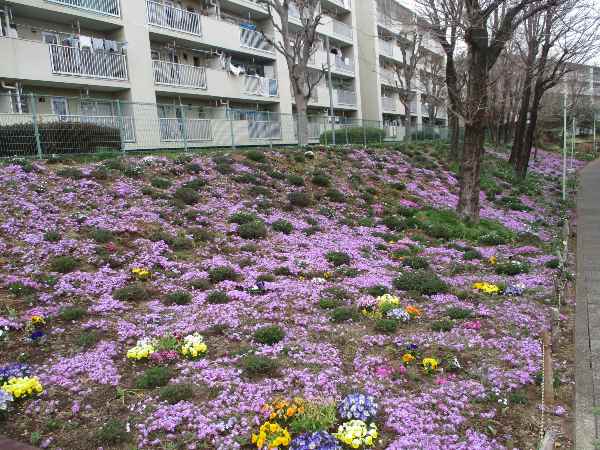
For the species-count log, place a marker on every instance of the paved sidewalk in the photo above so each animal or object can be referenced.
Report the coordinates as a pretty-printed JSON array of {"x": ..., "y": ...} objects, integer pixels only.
[{"x": 587, "y": 328}]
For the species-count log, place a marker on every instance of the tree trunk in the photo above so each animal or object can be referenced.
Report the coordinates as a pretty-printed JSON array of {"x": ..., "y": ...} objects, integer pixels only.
[
  {"x": 521, "y": 121},
  {"x": 407, "y": 122},
  {"x": 454, "y": 124},
  {"x": 525, "y": 155},
  {"x": 302, "y": 120},
  {"x": 470, "y": 171},
  {"x": 452, "y": 86}
]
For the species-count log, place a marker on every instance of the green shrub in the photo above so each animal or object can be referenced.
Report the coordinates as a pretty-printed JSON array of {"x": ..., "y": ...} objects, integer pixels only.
[
  {"x": 63, "y": 264},
  {"x": 377, "y": 290},
  {"x": 133, "y": 171},
  {"x": 335, "y": 292},
  {"x": 283, "y": 226},
  {"x": 217, "y": 298},
  {"x": 52, "y": 236},
  {"x": 553, "y": 263},
  {"x": 420, "y": 281},
  {"x": 472, "y": 254},
  {"x": 513, "y": 203},
  {"x": 181, "y": 242},
  {"x": 493, "y": 238},
  {"x": 201, "y": 234},
  {"x": 153, "y": 377},
  {"x": 70, "y": 313},
  {"x": 255, "y": 365},
  {"x": 353, "y": 135},
  {"x": 300, "y": 199},
  {"x": 338, "y": 258},
  {"x": 102, "y": 235},
  {"x": 202, "y": 284},
  {"x": 256, "y": 155},
  {"x": 329, "y": 303},
  {"x": 394, "y": 223},
  {"x": 134, "y": 292},
  {"x": 19, "y": 289},
  {"x": 222, "y": 273},
  {"x": 269, "y": 335},
  {"x": 88, "y": 339},
  {"x": 195, "y": 184},
  {"x": 457, "y": 313},
  {"x": 295, "y": 180},
  {"x": 179, "y": 298},
  {"x": 113, "y": 432},
  {"x": 343, "y": 314},
  {"x": 335, "y": 196},
  {"x": 175, "y": 393},
  {"x": 186, "y": 195},
  {"x": 282, "y": 271},
  {"x": 242, "y": 217},
  {"x": 416, "y": 262},
  {"x": 512, "y": 268},
  {"x": 160, "y": 183},
  {"x": 442, "y": 325},
  {"x": 252, "y": 230},
  {"x": 316, "y": 417},
  {"x": 321, "y": 179},
  {"x": 386, "y": 325}
]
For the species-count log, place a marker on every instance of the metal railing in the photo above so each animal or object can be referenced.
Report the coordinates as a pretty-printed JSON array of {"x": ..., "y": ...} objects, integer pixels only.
[
  {"x": 342, "y": 65},
  {"x": 125, "y": 124},
  {"x": 108, "y": 7},
  {"x": 183, "y": 75},
  {"x": 96, "y": 64},
  {"x": 386, "y": 48},
  {"x": 254, "y": 40},
  {"x": 388, "y": 104},
  {"x": 345, "y": 97},
  {"x": 174, "y": 129},
  {"x": 342, "y": 29},
  {"x": 172, "y": 18},
  {"x": 261, "y": 86},
  {"x": 346, "y": 4},
  {"x": 264, "y": 129}
]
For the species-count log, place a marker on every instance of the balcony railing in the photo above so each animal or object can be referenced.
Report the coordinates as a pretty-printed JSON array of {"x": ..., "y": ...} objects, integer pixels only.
[
  {"x": 255, "y": 40},
  {"x": 172, "y": 18},
  {"x": 342, "y": 29},
  {"x": 125, "y": 124},
  {"x": 346, "y": 4},
  {"x": 261, "y": 86},
  {"x": 174, "y": 129},
  {"x": 87, "y": 63},
  {"x": 183, "y": 75},
  {"x": 343, "y": 66},
  {"x": 388, "y": 103},
  {"x": 108, "y": 7},
  {"x": 264, "y": 129},
  {"x": 345, "y": 97}
]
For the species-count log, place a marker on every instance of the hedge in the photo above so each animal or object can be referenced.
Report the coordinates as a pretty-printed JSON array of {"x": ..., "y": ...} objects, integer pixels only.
[
  {"x": 58, "y": 137},
  {"x": 353, "y": 135}
]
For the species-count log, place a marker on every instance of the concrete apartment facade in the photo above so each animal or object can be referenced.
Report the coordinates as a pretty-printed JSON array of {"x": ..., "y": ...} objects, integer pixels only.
[{"x": 164, "y": 66}]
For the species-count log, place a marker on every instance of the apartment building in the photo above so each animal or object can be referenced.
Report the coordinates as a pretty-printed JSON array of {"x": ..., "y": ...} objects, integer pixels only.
[
  {"x": 199, "y": 71},
  {"x": 381, "y": 24}
]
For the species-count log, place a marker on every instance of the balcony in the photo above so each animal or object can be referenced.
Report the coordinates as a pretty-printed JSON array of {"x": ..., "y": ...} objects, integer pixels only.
[
  {"x": 108, "y": 7},
  {"x": 182, "y": 75},
  {"x": 172, "y": 18},
  {"x": 260, "y": 86},
  {"x": 338, "y": 64},
  {"x": 389, "y": 104},
  {"x": 175, "y": 129},
  {"x": 336, "y": 29},
  {"x": 344, "y": 97},
  {"x": 344, "y": 4},
  {"x": 255, "y": 40},
  {"x": 87, "y": 63},
  {"x": 264, "y": 129}
]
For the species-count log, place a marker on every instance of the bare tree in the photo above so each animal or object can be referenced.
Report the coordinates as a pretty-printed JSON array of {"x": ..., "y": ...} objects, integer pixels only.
[
  {"x": 297, "y": 47},
  {"x": 486, "y": 27},
  {"x": 410, "y": 41},
  {"x": 433, "y": 82},
  {"x": 443, "y": 18},
  {"x": 562, "y": 38}
]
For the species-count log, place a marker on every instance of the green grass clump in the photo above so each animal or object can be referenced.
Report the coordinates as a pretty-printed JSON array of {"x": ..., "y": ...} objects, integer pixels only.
[
  {"x": 512, "y": 268},
  {"x": 321, "y": 179},
  {"x": 394, "y": 223},
  {"x": 386, "y": 325},
  {"x": 316, "y": 417},
  {"x": 283, "y": 226},
  {"x": 416, "y": 262},
  {"x": 186, "y": 195},
  {"x": 88, "y": 339},
  {"x": 217, "y": 298},
  {"x": 19, "y": 289},
  {"x": 553, "y": 263},
  {"x": 222, "y": 273},
  {"x": 70, "y": 313},
  {"x": 269, "y": 335},
  {"x": 195, "y": 184},
  {"x": 300, "y": 199},
  {"x": 338, "y": 258},
  {"x": 154, "y": 377},
  {"x": 458, "y": 313},
  {"x": 295, "y": 180},
  {"x": 71, "y": 172},
  {"x": 160, "y": 183},
  {"x": 335, "y": 196},
  {"x": 113, "y": 432},
  {"x": 52, "y": 236},
  {"x": 471, "y": 254},
  {"x": 420, "y": 281},
  {"x": 377, "y": 290},
  {"x": 134, "y": 292},
  {"x": 343, "y": 314},
  {"x": 63, "y": 264},
  {"x": 256, "y": 156},
  {"x": 442, "y": 325},
  {"x": 242, "y": 217},
  {"x": 102, "y": 235},
  {"x": 178, "y": 298},
  {"x": 252, "y": 230},
  {"x": 329, "y": 303},
  {"x": 255, "y": 365},
  {"x": 175, "y": 393}
]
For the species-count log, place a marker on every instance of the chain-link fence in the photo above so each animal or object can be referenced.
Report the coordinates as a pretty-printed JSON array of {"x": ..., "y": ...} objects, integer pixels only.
[{"x": 33, "y": 125}]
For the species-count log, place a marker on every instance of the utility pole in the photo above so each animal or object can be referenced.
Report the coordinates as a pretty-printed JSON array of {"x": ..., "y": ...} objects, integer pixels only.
[
  {"x": 573, "y": 142},
  {"x": 564, "y": 175},
  {"x": 331, "y": 113}
]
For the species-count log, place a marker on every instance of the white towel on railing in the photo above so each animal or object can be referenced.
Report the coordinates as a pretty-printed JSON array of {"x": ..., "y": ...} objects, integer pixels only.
[
  {"x": 85, "y": 41},
  {"x": 97, "y": 44},
  {"x": 111, "y": 46}
]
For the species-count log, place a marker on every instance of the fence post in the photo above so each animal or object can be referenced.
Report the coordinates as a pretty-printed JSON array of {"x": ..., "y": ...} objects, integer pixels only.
[
  {"x": 229, "y": 116},
  {"x": 364, "y": 127},
  {"x": 184, "y": 129},
  {"x": 36, "y": 130},
  {"x": 121, "y": 125},
  {"x": 270, "y": 129}
]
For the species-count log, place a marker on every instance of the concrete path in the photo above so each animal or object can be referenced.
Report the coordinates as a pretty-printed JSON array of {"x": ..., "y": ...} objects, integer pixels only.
[{"x": 587, "y": 331}]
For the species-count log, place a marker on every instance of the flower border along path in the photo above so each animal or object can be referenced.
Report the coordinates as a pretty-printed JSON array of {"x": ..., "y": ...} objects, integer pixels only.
[{"x": 587, "y": 337}]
